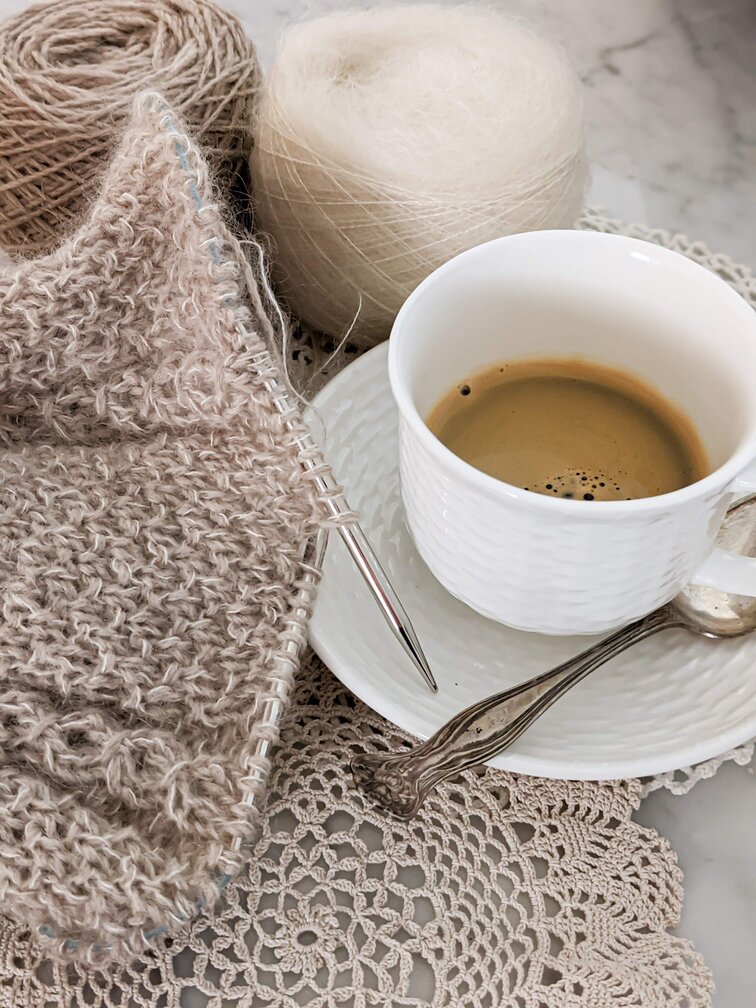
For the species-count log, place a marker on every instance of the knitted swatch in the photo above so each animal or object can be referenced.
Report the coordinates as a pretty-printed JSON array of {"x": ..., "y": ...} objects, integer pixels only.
[{"x": 156, "y": 513}]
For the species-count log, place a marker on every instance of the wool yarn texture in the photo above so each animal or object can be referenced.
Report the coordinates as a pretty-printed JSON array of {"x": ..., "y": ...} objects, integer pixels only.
[
  {"x": 157, "y": 506},
  {"x": 389, "y": 140},
  {"x": 69, "y": 71}
]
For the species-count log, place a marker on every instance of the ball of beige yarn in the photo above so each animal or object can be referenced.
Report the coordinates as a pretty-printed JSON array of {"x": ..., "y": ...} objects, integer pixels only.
[
  {"x": 390, "y": 140},
  {"x": 69, "y": 72}
]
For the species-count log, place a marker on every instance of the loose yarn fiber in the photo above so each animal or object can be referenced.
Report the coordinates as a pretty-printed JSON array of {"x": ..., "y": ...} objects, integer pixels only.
[
  {"x": 69, "y": 71},
  {"x": 390, "y": 140}
]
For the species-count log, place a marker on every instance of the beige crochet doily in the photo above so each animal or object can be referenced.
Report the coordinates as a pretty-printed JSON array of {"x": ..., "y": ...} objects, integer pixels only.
[{"x": 504, "y": 891}]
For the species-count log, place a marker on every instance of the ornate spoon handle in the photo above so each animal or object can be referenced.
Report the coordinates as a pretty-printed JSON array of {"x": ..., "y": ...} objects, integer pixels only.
[{"x": 401, "y": 782}]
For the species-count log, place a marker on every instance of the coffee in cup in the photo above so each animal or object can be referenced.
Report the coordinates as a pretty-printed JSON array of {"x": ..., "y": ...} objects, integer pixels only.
[{"x": 570, "y": 428}]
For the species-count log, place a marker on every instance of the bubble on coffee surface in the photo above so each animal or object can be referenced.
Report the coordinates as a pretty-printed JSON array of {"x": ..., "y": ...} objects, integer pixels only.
[{"x": 581, "y": 484}]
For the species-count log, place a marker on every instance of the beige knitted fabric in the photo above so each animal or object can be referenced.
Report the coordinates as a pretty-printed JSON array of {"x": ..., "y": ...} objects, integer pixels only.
[{"x": 153, "y": 587}]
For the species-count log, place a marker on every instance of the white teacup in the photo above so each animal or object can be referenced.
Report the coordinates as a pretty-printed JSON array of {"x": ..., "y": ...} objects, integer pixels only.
[{"x": 552, "y": 565}]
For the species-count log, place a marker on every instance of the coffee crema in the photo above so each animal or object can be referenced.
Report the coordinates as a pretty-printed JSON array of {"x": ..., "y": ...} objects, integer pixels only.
[{"x": 570, "y": 428}]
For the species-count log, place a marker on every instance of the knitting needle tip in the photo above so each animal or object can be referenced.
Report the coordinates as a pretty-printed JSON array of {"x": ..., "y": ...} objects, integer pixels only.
[{"x": 413, "y": 648}]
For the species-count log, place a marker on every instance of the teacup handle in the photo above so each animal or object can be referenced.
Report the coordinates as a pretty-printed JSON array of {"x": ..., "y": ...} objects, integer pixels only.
[{"x": 731, "y": 572}]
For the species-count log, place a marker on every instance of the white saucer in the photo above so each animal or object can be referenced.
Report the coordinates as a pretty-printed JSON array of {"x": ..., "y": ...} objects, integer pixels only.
[{"x": 674, "y": 700}]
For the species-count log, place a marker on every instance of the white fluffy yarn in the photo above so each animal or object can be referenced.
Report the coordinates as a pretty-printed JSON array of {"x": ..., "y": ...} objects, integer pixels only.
[{"x": 391, "y": 139}]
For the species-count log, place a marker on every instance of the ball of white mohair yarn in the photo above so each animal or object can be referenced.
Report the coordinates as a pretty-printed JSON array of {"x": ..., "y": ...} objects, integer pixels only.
[{"x": 389, "y": 140}]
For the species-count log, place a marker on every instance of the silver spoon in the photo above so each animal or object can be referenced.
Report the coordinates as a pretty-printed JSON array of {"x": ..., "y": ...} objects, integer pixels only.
[{"x": 400, "y": 782}]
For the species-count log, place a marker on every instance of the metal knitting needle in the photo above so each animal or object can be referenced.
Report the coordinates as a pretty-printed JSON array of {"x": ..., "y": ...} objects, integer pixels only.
[
  {"x": 356, "y": 542},
  {"x": 377, "y": 581},
  {"x": 373, "y": 573},
  {"x": 354, "y": 538}
]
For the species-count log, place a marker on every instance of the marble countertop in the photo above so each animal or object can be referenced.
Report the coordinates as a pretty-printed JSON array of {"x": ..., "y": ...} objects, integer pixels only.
[{"x": 670, "y": 90}]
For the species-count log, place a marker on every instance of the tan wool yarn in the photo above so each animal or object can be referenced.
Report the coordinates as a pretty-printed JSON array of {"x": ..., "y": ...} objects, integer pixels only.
[
  {"x": 157, "y": 509},
  {"x": 69, "y": 71},
  {"x": 391, "y": 139}
]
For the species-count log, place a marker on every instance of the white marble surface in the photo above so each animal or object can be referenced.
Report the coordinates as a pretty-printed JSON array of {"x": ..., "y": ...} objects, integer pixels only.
[
  {"x": 712, "y": 830},
  {"x": 671, "y": 109}
]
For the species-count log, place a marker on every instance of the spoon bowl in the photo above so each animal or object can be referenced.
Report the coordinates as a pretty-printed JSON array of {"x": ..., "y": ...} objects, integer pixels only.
[{"x": 712, "y": 612}]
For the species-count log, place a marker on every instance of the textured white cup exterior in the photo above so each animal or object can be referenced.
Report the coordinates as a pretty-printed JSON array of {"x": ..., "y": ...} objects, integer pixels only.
[{"x": 558, "y": 566}]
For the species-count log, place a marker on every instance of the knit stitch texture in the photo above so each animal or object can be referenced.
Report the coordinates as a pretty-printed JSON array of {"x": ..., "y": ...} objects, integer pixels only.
[{"x": 156, "y": 512}]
